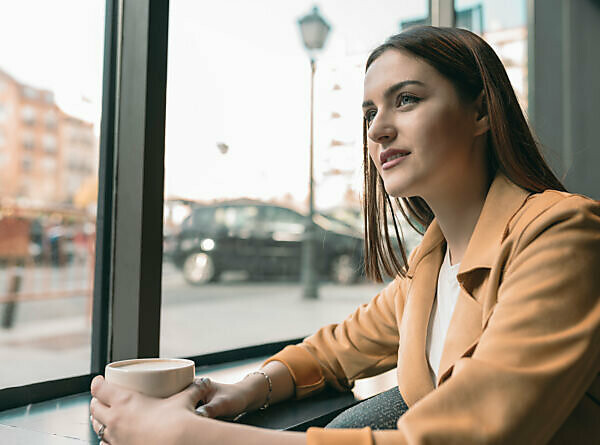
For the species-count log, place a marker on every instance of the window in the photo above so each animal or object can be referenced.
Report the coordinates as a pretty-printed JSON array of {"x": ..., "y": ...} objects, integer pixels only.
[
  {"x": 51, "y": 120},
  {"x": 198, "y": 171},
  {"x": 284, "y": 223},
  {"x": 28, "y": 140},
  {"x": 47, "y": 275},
  {"x": 28, "y": 114},
  {"x": 26, "y": 163},
  {"x": 504, "y": 26},
  {"x": 49, "y": 142},
  {"x": 29, "y": 93},
  {"x": 244, "y": 261},
  {"x": 48, "y": 97},
  {"x": 49, "y": 165}
]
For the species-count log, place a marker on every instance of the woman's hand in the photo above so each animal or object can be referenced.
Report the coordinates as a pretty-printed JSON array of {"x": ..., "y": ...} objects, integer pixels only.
[
  {"x": 225, "y": 400},
  {"x": 130, "y": 418}
]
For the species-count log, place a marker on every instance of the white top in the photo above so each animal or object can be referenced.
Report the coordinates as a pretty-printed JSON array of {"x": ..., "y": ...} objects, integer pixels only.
[{"x": 441, "y": 313}]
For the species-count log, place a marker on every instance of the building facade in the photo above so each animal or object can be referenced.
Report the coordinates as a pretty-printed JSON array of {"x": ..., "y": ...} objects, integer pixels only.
[{"x": 46, "y": 155}]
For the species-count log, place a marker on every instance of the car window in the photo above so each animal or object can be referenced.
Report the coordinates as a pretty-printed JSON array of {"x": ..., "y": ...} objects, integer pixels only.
[
  {"x": 283, "y": 215},
  {"x": 200, "y": 218},
  {"x": 280, "y": 219},
  {"x": 237, "y": 217}
]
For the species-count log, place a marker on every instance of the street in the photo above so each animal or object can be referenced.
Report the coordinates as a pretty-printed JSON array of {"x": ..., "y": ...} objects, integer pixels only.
[{"x": 51, "y": 338}]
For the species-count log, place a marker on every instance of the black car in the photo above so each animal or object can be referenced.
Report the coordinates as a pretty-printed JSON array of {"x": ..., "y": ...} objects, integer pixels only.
[{"x": 262, "y": 240}]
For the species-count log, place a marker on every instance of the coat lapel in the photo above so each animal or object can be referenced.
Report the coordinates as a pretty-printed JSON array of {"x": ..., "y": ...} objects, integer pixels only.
[{"x": 414, "y": 380}]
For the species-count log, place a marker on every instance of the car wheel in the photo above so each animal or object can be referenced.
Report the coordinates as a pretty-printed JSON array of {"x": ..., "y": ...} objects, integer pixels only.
[
  {"x": 199, "y": 268},
  {"x": 344, "y": 270}
]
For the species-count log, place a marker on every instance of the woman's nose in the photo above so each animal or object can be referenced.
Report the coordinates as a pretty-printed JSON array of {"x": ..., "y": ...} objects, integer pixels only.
[{"x": 381, "y": 131}]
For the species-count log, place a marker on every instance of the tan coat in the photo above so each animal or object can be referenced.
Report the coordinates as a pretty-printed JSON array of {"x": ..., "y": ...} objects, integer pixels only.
[{"x": 521, "y": 360}]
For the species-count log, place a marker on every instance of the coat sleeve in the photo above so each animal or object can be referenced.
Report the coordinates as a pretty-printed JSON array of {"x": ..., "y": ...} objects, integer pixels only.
[
  {"x": 538, "y": 355},
  {"x": 363, "y": 345}
]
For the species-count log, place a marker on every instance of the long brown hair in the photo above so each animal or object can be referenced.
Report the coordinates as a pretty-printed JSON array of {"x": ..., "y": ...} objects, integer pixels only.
[{"x": 472, "y": 66}]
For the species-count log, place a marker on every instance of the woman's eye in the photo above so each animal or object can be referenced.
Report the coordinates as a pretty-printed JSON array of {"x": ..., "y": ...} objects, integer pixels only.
[
  {"x": 369, "y": 116},
  {"x": 406, "y": 99}
]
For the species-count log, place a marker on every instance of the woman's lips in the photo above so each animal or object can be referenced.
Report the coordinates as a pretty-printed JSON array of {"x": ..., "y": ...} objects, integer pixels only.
[{"x": 393, "y": 161}]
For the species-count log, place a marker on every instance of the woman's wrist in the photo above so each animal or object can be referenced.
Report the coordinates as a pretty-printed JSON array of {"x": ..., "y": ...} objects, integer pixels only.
[{"x": 255, "y": 390}]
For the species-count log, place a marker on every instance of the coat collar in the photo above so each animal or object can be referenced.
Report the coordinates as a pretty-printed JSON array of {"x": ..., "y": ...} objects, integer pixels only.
[{"x": 503, "y": 200}]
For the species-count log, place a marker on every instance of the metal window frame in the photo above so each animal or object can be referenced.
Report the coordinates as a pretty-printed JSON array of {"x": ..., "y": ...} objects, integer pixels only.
[
  {"x": 441, "y": 12},
  {"x": 139, "y": 164}
]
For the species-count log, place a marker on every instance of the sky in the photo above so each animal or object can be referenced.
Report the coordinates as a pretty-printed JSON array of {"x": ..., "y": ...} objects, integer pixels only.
[
  {"x": 237, "y": 74},
  {"x": 56, "y": 45}
]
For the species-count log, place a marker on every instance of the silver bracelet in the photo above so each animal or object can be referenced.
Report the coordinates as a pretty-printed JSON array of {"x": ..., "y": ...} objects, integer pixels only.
[{"x": 269, "y": 385}]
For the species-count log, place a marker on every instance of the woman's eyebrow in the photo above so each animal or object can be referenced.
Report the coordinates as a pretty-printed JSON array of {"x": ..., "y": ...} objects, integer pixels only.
[{"x": 391, "y": 90}]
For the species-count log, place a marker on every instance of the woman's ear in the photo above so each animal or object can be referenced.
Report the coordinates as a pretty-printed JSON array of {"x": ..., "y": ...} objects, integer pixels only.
[{"x": 482, "y": 123}]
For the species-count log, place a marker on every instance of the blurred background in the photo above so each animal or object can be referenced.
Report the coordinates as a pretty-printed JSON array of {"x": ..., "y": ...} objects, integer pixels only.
[{"x": 242, "y": 192}]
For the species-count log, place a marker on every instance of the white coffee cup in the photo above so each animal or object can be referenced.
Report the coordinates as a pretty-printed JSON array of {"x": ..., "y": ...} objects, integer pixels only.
[{"x": 156, "y": 377}]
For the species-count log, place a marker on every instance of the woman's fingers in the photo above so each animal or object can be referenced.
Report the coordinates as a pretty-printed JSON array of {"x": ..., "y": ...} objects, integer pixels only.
[
  {"x": 197, "y": 392},
  {"x": 102, "y": 390},
  {"x": 96, "y": 425},
  {"x": 219, "y": 406},
  {"x": 202, "y": 392},
  {"x": 99, "y": 411}
]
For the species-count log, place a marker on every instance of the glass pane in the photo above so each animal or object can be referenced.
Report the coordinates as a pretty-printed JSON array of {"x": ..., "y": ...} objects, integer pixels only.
[
  {"x": 50, "y": 100},
  {"x": 237, "y": 168},
  {"x": 503, "y": 24}
]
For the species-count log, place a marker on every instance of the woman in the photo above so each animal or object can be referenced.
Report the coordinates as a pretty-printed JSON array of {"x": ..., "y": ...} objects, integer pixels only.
[{"x": 494, "y": 321}]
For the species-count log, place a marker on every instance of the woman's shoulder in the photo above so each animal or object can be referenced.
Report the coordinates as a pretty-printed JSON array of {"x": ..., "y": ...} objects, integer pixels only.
[{"x": 543, "y": 210}]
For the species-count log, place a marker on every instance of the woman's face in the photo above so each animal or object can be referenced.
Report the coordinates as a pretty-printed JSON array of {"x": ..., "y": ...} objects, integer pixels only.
[{"x": 420, "y": 133}]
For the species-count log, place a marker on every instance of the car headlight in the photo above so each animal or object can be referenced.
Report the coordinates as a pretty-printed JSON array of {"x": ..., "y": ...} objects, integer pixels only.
[{"x": 207, "y": 244}]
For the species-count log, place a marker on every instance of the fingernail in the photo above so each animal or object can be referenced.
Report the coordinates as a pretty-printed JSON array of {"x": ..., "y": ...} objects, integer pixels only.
[
  {"x": 91, "y": 419},
  {"x": 202, "y": 412}
]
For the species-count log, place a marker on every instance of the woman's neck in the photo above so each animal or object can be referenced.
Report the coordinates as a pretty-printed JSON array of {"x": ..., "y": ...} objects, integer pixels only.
[{"x": 457, "y": 211}]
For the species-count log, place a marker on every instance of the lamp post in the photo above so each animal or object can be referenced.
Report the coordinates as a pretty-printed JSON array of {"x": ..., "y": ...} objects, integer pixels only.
[{"x": 314, "y": 30}]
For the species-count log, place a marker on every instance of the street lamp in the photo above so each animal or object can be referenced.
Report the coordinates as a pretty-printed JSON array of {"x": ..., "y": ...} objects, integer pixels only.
[{"x": 314, "y": 30}]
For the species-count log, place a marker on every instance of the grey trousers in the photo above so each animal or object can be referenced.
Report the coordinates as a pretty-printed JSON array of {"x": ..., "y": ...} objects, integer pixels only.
[{"x": 380, "y": 412}]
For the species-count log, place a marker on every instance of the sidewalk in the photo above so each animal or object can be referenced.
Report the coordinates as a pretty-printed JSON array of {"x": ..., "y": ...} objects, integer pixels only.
[{"x": 195, "y": 320}]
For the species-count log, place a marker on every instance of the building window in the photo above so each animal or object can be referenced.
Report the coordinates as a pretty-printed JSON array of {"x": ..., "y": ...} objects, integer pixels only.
[
  {"x": 49, "y": 165},
  {"x": 49, "y": 97},
  {"x": 28, "y": 115},
  {"x": 29, "y": 93},
  {"x": 49, "y": 143},
  {"x": 28, "y": 141},
  {"x": 25, "y": 188},
  {"x": 51, "y": 120},
  {"x": 26, "y": 163}
]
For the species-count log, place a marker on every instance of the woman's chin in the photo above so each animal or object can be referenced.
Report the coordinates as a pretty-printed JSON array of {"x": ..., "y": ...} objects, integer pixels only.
[{"x": 397, "y": 190}]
